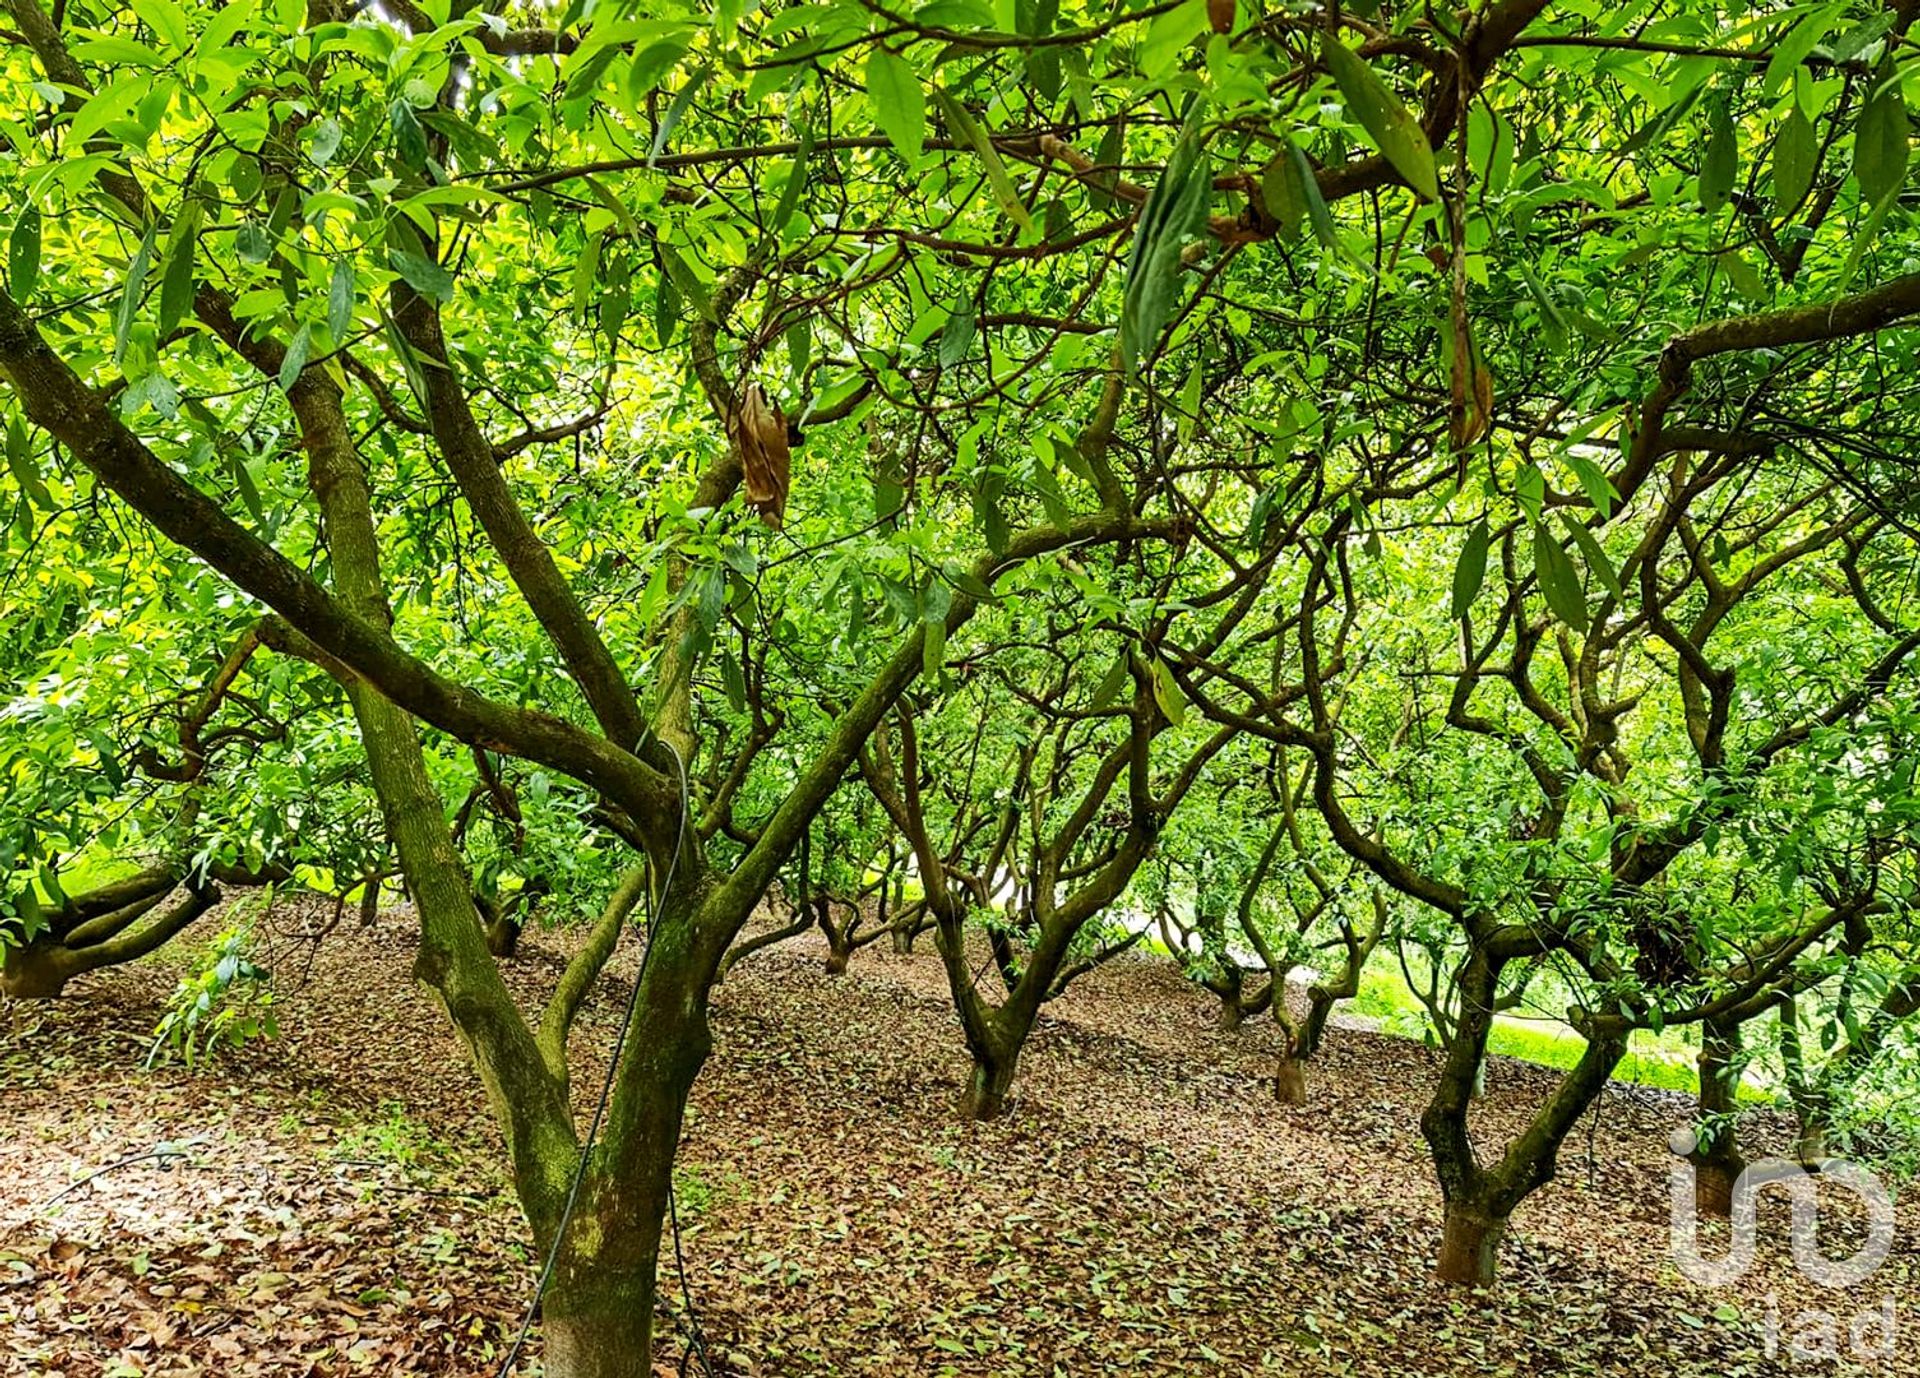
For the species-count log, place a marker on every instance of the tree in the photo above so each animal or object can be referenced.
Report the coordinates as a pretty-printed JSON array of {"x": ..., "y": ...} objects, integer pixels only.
[{"x": 677, "y": 405}]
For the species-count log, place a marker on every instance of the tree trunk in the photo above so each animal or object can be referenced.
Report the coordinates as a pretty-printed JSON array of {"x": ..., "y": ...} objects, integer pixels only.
[
  {"x": 839, "y": 937},
  {"x": 1231, "y": 1013},
  {"x": 33, "y": 972},
  {"x": 1290, "y": 1080},
  {"x": 1313, "y": 1028},
  {"x": 1716, "y": 1159},
  {"x": 598, "y": 1327},
  {"x": 1811, "y": 1146},
  {"x": 503, "y": 937},
  {"x": 988, "y": 1085},
  {"x": 903, "y": 940},
  {"x": 1470, "y": 1244}
]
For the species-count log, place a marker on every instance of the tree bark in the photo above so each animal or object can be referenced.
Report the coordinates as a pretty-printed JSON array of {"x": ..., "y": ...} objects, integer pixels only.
[
  {"x": 1470, "y": 1243},
  {"x": 1289, "y": 1080},
  {"x": 1313, "y": 1028},
  {"x": 33, "y": 971},
  {"x": 41, "y": 969},
  {"x": 1231, "y": 1014},
  {"x": 598, "y": 1327},
  {"x": 1717, "y": 1162},
  {"x": 1481, "y": 1198},
  {"x": 988, "y": 1085},
  {"x": 503, "y": 936}
]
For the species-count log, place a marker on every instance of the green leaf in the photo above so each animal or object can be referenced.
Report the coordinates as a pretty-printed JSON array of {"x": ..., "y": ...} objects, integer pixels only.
[
  {"x": 1553, "y": 322},
  {"x": 1720, "y": 167},
  {"x": 799, "y": 335},
  {"x": 1317, "y": 213},
  {"x": 23, "y": 255},
  {"x": 109, "y": 755},
  {"x": 1471, "y": 571},
  {"x": 1107, "y": 159},
  {"x": 735, "y": 681},
  {"x": 1394, "y": 129},
  {"x": 340, "y": 301},
  {"x": 409, "y": 139},
  {"x": 685, "y": 281},
  {"x": 107, "y": 106},
  {"x": 423, "y": 275},
  {"x": 325, "y": 142},
  {"x": 796, "y": 182},
  {"x": 25, "y": 472},
  {"x": 651, "y": 66},
  {"x": 176, "y": 279},
  {"x": 295, "y": 358},
  {"x": 899, "y": 105},
  {"x": 1796, "y": 47},
  {"x": 585, "y": 68},
  {"x": 956, "y": 335},
  {"x": 1169, "y": 36},
  {"x": 1166, "y": 693},
  {"x": 1863, "y": 237},
  {"x": 1595, "y": 556},
  {"x": 1795, "y": 152},
  {"x": 1559, "y": 581},
  {"x": 1175, "y": 211},
  {"x": 1655, "y": 129},
  {"x": 130, "y": 293},
  {"x": 586, "y": 272},
  {"x": 252, "y": 242},
  {"x": 1282, "y": 189},
  {"x": 1880, "y": 142},
  {"x": 1110, "y": 685},
  {"x": 682, "y": 101},
  {"x": 973, "y": 586},
  {"x": 249, "y": 491},
  {"x": 933, "y": 647},
  {"x": 623, "y": 217},
  {"x": 961, "y": 122}
]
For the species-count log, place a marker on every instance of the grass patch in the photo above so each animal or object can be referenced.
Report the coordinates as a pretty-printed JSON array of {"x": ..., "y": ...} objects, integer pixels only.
[{"x": 1665, "y": 1060}]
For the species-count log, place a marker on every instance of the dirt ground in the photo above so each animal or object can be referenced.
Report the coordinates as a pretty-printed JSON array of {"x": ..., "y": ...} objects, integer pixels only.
[{"x": 333, "y": 1202}]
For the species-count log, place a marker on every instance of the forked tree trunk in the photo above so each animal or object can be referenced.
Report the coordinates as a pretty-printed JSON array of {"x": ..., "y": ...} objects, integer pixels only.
[
  {"x": 40, "y": 969},
  {"x": 839, "y": 935},
  {"x": 1806, "y": 1089},
  {"x": 1812, "y": 1145},
  {"x": 839, "y": 944},
  {"x": 1480, "y": 1199}
]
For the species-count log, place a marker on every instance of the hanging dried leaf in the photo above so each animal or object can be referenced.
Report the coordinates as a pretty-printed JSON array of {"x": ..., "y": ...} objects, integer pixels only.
[{"x": 758, "y": 433}]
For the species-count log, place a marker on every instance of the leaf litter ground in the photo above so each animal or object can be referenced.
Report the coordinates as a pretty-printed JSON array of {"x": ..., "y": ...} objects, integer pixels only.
[{"x": 333, "y": 1202}]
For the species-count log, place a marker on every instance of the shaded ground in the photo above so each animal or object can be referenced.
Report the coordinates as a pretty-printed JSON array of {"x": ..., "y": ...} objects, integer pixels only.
[{"x": 332, "y": 1203}]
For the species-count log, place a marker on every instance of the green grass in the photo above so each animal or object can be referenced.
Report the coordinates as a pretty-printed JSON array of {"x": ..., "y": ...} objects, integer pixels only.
[{"x": 1665, "y": 1060}]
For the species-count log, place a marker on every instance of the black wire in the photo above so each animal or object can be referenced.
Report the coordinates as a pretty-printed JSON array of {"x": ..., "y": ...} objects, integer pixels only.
[{"x": 599, "y": 1113}]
